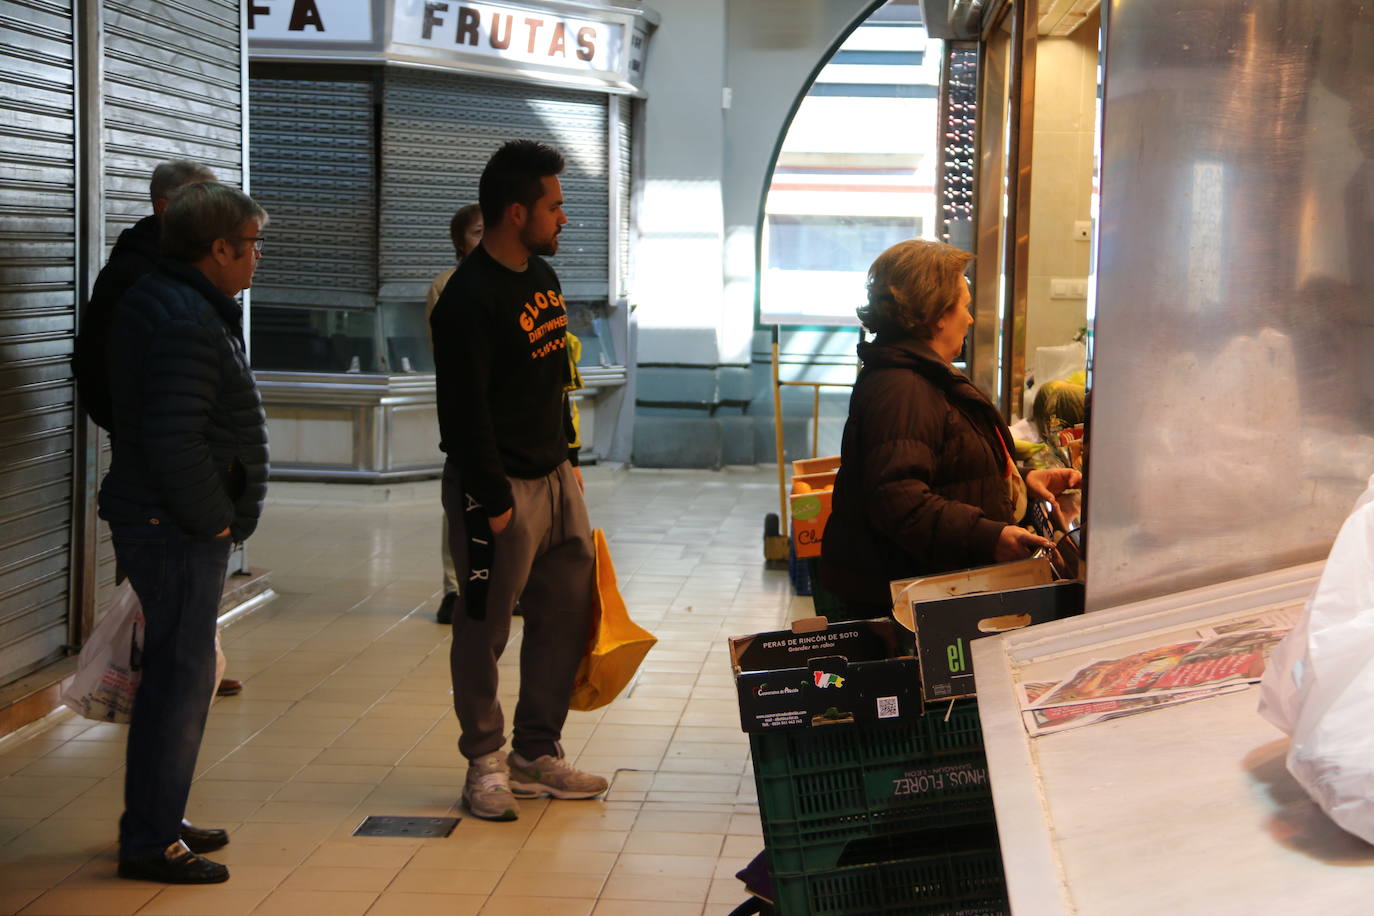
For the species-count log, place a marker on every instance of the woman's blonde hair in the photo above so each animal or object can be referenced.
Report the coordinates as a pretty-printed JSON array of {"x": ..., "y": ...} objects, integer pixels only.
[{"x": 911, "y": 286}]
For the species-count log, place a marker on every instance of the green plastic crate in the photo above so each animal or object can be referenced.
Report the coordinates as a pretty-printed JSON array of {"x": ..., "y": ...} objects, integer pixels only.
[
  {"x": 837, "y": 795},
  {"x": 967, "y": 883}
]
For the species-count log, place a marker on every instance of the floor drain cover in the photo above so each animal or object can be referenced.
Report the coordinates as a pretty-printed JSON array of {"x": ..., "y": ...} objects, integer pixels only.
[{"x": 387, "y": 825}]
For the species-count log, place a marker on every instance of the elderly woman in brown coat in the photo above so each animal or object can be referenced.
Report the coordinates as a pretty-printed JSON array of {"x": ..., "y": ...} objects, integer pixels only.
[{"x": 926, "y": 484}]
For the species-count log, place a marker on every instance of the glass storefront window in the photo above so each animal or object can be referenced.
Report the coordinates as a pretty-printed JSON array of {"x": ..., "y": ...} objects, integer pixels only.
[
  {"x": 843, "y": 243},
  {"x": 405, "y": 328},
  {"x": 591, "y": 322},
  {"x": 856, "y": 170},
  {"x": 308, "y": 339},
  {"x": 300, "y": 339}
]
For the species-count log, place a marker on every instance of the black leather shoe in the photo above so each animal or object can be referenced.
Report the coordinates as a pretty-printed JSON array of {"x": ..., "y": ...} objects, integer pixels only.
[
  {"x": 445, "y": 613},
  {"x": 201, "y": 840},
  {"x": 175, "y": 865}
]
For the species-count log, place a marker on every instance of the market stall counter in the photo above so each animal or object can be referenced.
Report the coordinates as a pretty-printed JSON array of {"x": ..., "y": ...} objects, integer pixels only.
[{"x": 1153, "y": 786}]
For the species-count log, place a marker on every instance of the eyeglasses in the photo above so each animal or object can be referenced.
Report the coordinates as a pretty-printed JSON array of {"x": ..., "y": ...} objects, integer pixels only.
[{"x": 256, "y": 240}]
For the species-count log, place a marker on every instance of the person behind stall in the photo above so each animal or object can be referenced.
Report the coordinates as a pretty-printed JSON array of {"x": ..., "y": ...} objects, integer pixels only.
[
  {"x": 465, "y": 231},
  {"x": 926, "y": 483}
]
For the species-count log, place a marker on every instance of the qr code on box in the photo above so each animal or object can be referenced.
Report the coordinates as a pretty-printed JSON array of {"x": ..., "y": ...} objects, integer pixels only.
[{"x": 887, "y": 708}]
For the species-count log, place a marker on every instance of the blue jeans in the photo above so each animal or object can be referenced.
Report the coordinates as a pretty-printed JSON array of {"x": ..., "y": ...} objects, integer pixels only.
[{"x": 178, "y": 579}]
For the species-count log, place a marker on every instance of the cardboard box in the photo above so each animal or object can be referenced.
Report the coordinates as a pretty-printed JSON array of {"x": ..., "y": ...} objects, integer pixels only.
[
  {"x": 821, "y": 480},
  {"x": 945, "y": 627},
  {"x": 805, "y": 466},
  {"x": 809, "y": 505},
  {"x": 1017, "y": 574},
  {"x": 810, "y": 512},
  {"x": 819, "y": 675}
]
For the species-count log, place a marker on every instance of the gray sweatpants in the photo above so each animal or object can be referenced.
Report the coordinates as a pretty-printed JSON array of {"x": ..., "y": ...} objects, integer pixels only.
[{"x": 545, "y": 560}]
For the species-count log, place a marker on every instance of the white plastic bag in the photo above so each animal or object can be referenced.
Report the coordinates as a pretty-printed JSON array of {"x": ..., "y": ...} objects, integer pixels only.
[
  {"x": 107, "y": 672},
  {"x": 1319, "y": 685},
  {"x": 220, "y": 663}
]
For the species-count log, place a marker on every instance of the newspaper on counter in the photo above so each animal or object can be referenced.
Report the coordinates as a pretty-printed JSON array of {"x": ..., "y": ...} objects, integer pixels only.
[
  {"x": 1224, "y": 658},
  {"x": 1281, "y": 619},
  {"x": 1050, "y": 719}
]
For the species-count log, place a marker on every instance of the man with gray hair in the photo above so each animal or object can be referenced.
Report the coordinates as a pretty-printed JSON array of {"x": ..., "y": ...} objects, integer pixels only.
[
  {"x": 188, "y": 478},
  {"x": 133, "y": 256}
]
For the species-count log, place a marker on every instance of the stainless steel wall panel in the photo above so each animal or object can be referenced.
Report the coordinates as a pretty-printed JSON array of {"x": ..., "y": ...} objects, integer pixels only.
[
  {"x": 438, "y": 130},
  {"x": 37, "y": 320},
  {"x": 1231, "y": 420},
  {"x": 172, "y": 90}
]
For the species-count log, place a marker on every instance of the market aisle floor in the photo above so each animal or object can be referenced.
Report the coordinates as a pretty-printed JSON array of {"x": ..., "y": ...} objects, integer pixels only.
[{"x": 346, "y": 712}]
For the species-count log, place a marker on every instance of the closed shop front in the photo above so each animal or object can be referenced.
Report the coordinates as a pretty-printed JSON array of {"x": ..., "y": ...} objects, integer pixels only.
[
  {"x": 37, "y": 326},
  {"x": 362, "y": 151},
  {"x": 95, "y": 94}
]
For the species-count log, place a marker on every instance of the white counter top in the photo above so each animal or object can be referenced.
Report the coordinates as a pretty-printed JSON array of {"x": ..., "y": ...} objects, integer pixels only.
[{"x": 1181, "y": 810}]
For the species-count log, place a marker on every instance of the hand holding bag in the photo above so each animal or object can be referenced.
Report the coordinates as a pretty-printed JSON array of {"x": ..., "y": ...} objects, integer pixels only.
[
  {"x": 618, "y": 644},
  {"x": 107, "y": 670}
]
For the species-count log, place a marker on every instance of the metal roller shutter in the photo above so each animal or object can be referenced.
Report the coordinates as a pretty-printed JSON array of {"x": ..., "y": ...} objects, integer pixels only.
[
  {"x": 172, "y": 90},
  {"x": 37, "y": 327},
  {"x": 439, "y": 130},
  {"x": 314, "y": 170},
  {"x": 624, "y": 112}
]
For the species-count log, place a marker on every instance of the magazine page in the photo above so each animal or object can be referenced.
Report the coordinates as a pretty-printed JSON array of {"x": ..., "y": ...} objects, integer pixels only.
[
  {"x": 1284, "y": 618},
  {"x": 1228, "y": 657},
  {"x": 1048, "y": 720},
  {"x": 1127, "y": 676},
  {"x": 1178, "y": 667},
  {"x": 1236, "y": 657}
]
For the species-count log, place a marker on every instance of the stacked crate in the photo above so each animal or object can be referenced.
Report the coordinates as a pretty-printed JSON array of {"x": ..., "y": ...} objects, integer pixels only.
[{"x": 880, "y": 819}]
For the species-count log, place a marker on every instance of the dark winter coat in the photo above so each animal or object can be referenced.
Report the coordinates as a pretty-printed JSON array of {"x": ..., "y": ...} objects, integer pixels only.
[
  {"x": 190, "y": 436},
  {"x": 134, "y": 255},
  {"x": 922, "y": 486}
]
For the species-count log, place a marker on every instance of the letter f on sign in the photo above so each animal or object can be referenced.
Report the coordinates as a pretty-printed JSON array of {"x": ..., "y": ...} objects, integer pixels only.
[{"x": 432, "y": 18}]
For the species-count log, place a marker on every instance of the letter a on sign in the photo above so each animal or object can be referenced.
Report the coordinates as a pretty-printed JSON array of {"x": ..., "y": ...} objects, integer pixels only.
[
  {"x": 303, "y": 21},
  {"x": 305, "y": 13}
]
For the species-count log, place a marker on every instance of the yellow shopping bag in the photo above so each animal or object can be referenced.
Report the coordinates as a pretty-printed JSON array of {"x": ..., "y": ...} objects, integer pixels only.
[{"x": 618, "y": 644}]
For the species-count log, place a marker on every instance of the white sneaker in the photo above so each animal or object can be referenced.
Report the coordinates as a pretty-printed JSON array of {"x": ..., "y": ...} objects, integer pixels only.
[
  {"x": 487, "y": 789},
  {"x": 549, "y": 775}
]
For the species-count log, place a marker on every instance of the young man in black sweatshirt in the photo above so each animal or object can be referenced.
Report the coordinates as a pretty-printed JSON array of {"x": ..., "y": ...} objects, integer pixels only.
[{"x": 517, "y": 521}]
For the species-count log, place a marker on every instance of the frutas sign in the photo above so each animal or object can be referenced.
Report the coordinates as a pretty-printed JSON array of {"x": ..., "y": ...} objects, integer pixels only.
[
  {"x": 491, "y": 30},
  {"x": 509, "y": 33},
  {"x": 310, "y": 20}
]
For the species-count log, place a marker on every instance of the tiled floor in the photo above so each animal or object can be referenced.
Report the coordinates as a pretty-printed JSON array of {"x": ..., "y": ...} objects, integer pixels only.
[{"x": 346, "y": 712}]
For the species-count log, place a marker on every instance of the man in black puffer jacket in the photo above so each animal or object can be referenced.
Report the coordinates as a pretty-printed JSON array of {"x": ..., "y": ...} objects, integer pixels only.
[
  {"x": 188, "y": 478},
  {"x": 134, "y": 254}
]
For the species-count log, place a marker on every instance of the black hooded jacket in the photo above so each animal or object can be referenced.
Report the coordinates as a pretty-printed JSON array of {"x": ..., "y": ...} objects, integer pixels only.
[
  {"x": 190, "y": 436},
  {"x": 134, "y": 255},
  {"x": 923, "y": 483}
]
